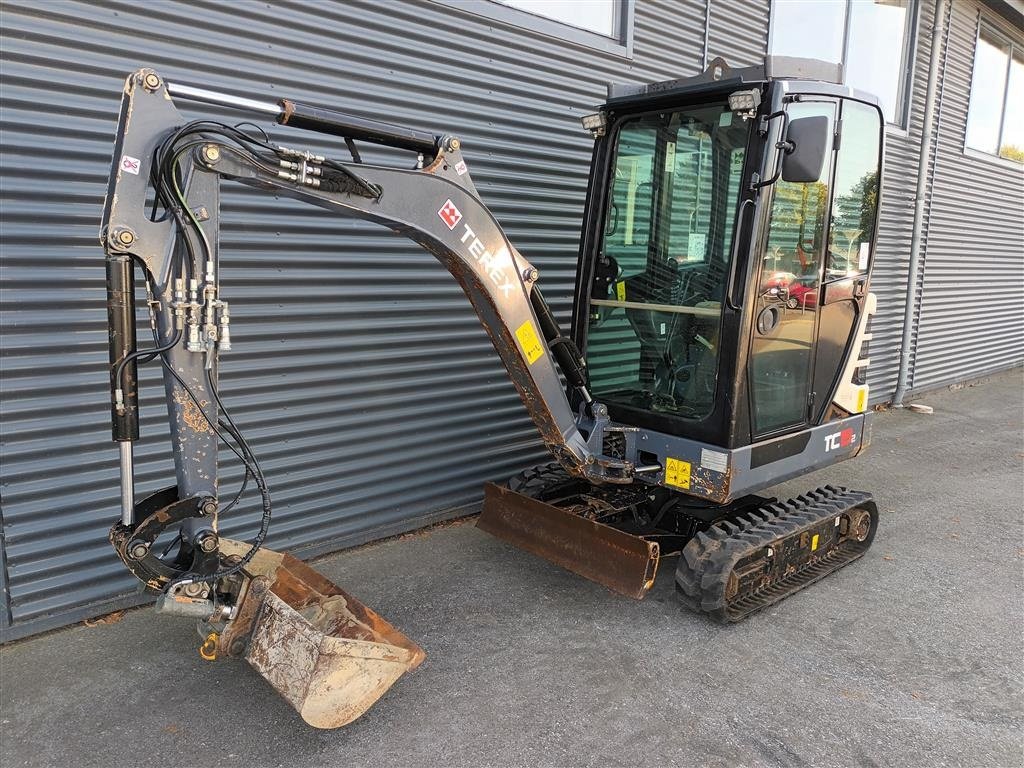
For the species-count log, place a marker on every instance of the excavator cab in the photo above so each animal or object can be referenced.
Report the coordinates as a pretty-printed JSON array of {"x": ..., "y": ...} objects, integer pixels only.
[
  {"x": 721, "y": 308},
  {"x": 724, "y": 277}
]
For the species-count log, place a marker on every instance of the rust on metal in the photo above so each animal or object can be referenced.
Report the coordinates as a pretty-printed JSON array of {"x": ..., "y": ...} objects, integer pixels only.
[
  {"x": 324, "y": 651},
  {"x": 712, "y": 485},
  {"x": 287, "y": 110},
  {"x": 191, "y": 414},
  {"x": 624, "y": 563}
]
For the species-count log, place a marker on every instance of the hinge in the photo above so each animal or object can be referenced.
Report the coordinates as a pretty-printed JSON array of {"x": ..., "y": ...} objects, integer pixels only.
[
  {"x": 837, "y": 138},
  {"x": 810, "y": 404}
]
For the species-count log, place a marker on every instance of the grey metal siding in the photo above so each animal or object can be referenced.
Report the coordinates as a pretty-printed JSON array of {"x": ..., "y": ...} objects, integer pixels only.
[
  {"x": 966, "y": 314},
  {"x": 359, "y": 373},
  {"x": 972, "y": 294},
  {"x": 738, "y": 31},
  {"x": 892, "y": 260}
]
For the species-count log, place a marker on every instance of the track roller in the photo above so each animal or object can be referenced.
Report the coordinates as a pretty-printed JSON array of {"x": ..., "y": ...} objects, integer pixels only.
[{"x": 753, "y": 560}]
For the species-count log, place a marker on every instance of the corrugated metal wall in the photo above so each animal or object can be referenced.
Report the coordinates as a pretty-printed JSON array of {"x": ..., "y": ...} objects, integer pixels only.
[
  {"x": 892, "y": 260},
  {"x": 359, "y": 373},
  {"x": 738, "y": 31},
  {"x": 968, "y": 308},
  {"x": 972, "y": 293}
]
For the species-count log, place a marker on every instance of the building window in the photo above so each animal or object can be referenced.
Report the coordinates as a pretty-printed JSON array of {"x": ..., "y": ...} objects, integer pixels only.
[
  {"x": 606, "y": 25},
  {"x": 995, "y": 118},
  {"x": 872, "y": 39},
  {"x": 600, "y": 16}
]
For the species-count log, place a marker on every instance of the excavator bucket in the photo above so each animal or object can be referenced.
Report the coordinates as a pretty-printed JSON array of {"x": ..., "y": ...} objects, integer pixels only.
[
  {"x": 622, "y": 562},
  {"x": 324, "y": 651}
]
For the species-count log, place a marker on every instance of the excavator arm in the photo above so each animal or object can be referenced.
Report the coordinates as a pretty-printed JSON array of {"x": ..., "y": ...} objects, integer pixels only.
[
  {"x": 434, "y": 204},
  {"x": 161, "y": 157}
]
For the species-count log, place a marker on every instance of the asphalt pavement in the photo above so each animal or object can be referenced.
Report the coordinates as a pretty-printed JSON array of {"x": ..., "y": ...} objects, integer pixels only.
[{"x": 910, "y": 657}]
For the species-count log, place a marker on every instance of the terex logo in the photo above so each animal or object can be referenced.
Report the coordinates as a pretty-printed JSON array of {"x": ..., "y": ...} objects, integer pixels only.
[
  {"x": 449, "y": 214},
  {"x": 843, "y": 439},
  {"x": 490, "y": 262}
]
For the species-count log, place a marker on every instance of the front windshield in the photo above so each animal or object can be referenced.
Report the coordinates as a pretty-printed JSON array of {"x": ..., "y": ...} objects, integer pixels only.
[{"x": 655, "y": 305}]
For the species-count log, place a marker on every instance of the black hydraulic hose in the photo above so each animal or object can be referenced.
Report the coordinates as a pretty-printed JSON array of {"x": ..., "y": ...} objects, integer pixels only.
[
  {"x": 568, "y": 357},
  {"x": 244, "y": 452}
]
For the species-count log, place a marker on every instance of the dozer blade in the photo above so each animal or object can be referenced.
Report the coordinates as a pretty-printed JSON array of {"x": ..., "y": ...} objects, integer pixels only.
[
  {"x": 324, "y": 651},
  {"x": 624, "y": 563}
]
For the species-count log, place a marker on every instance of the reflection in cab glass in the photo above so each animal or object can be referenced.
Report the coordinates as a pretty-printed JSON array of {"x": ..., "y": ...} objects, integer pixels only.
[
  {"x": 790, "y": 272},
  {"x": 819, "y": 246},
  {"x": 655, "y": 306}
]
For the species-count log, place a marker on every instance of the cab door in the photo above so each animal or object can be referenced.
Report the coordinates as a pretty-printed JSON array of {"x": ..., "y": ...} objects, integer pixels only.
[
  {"x": 786, "y": 303},
  {"x": 849, "y": 255}
]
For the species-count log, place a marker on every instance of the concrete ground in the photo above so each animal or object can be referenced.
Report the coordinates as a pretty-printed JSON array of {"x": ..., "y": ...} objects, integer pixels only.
[{"x": 910, "y": 657}]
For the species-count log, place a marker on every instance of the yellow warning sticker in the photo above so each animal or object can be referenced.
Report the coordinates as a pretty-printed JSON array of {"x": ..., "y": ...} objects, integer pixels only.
[
  {"x": 677, "y": 473},
  {"x": 814, "y": 542},
  {"x": 529, "y": 341},
  {"x": 620, "y": 290},
  {"x": 862, "y": 400}
]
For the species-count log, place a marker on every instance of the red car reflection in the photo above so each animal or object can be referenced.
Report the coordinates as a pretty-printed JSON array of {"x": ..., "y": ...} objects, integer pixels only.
[{"x": 792, "y": 290}]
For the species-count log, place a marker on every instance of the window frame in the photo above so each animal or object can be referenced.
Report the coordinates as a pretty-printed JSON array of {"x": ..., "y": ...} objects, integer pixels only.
[
  {"x": 621, "y": 44},
  {"x": 723, "y": 371},
  {"x": 908, "y": 58},
  {"x": 995, "y": 32}
]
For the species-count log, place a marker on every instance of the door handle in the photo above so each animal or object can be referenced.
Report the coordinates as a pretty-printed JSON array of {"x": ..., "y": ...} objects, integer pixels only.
[{"x": 730, "y": 286}]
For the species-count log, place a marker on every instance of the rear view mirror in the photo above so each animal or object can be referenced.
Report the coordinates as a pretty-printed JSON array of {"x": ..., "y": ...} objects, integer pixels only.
[{"x": 803, "y": 158}]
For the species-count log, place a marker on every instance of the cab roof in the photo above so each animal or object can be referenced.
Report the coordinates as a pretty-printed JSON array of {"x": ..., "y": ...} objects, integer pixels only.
[{"x": 720, "y": 75}]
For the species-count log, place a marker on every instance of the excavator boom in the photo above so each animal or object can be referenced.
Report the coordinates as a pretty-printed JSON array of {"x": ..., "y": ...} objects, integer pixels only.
[{"x": 256, "y": 604}]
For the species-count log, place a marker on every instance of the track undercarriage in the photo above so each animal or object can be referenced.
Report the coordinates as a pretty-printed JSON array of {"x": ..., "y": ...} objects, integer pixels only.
[{"x": 734, "y": 559}]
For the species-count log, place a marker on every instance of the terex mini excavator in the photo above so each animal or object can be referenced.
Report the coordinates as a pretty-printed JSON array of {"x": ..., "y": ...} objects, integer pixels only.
[{"x": 717, "y": 348}]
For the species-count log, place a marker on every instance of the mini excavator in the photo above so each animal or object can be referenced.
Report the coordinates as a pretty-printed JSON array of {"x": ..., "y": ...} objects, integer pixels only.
[{"x": 717, "y": 347}]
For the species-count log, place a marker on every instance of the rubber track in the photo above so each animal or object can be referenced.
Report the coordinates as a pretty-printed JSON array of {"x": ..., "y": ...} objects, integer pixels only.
[{"x": 708, "y": 559}]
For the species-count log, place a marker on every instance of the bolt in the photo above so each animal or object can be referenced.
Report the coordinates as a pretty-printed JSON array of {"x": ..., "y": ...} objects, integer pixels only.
[
  {"x": 124, "y": 236},
  {"x": 454, "y": 143},
  {"x": 211, "y": 153},
  {"x": 531, "y": 274},
  {"x": 237, "y": 648},
  {"x": 208, "y": 507},
  {"x": 151, "y": 81},
  {"x": 258, "y": 587},
  {"x": 207, "y": 542},
  {"x": 195, "y": 589},
  {"x": 138, "y": 550}
]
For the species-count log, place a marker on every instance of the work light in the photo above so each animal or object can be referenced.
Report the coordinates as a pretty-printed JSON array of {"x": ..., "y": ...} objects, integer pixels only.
[
  {"x": 595, "y": 124},
  {"x": 745, "y": 101}
]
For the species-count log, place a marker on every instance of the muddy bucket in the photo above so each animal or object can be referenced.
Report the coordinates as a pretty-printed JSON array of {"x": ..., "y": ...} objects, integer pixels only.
[{"x": 324, "y": 651}]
